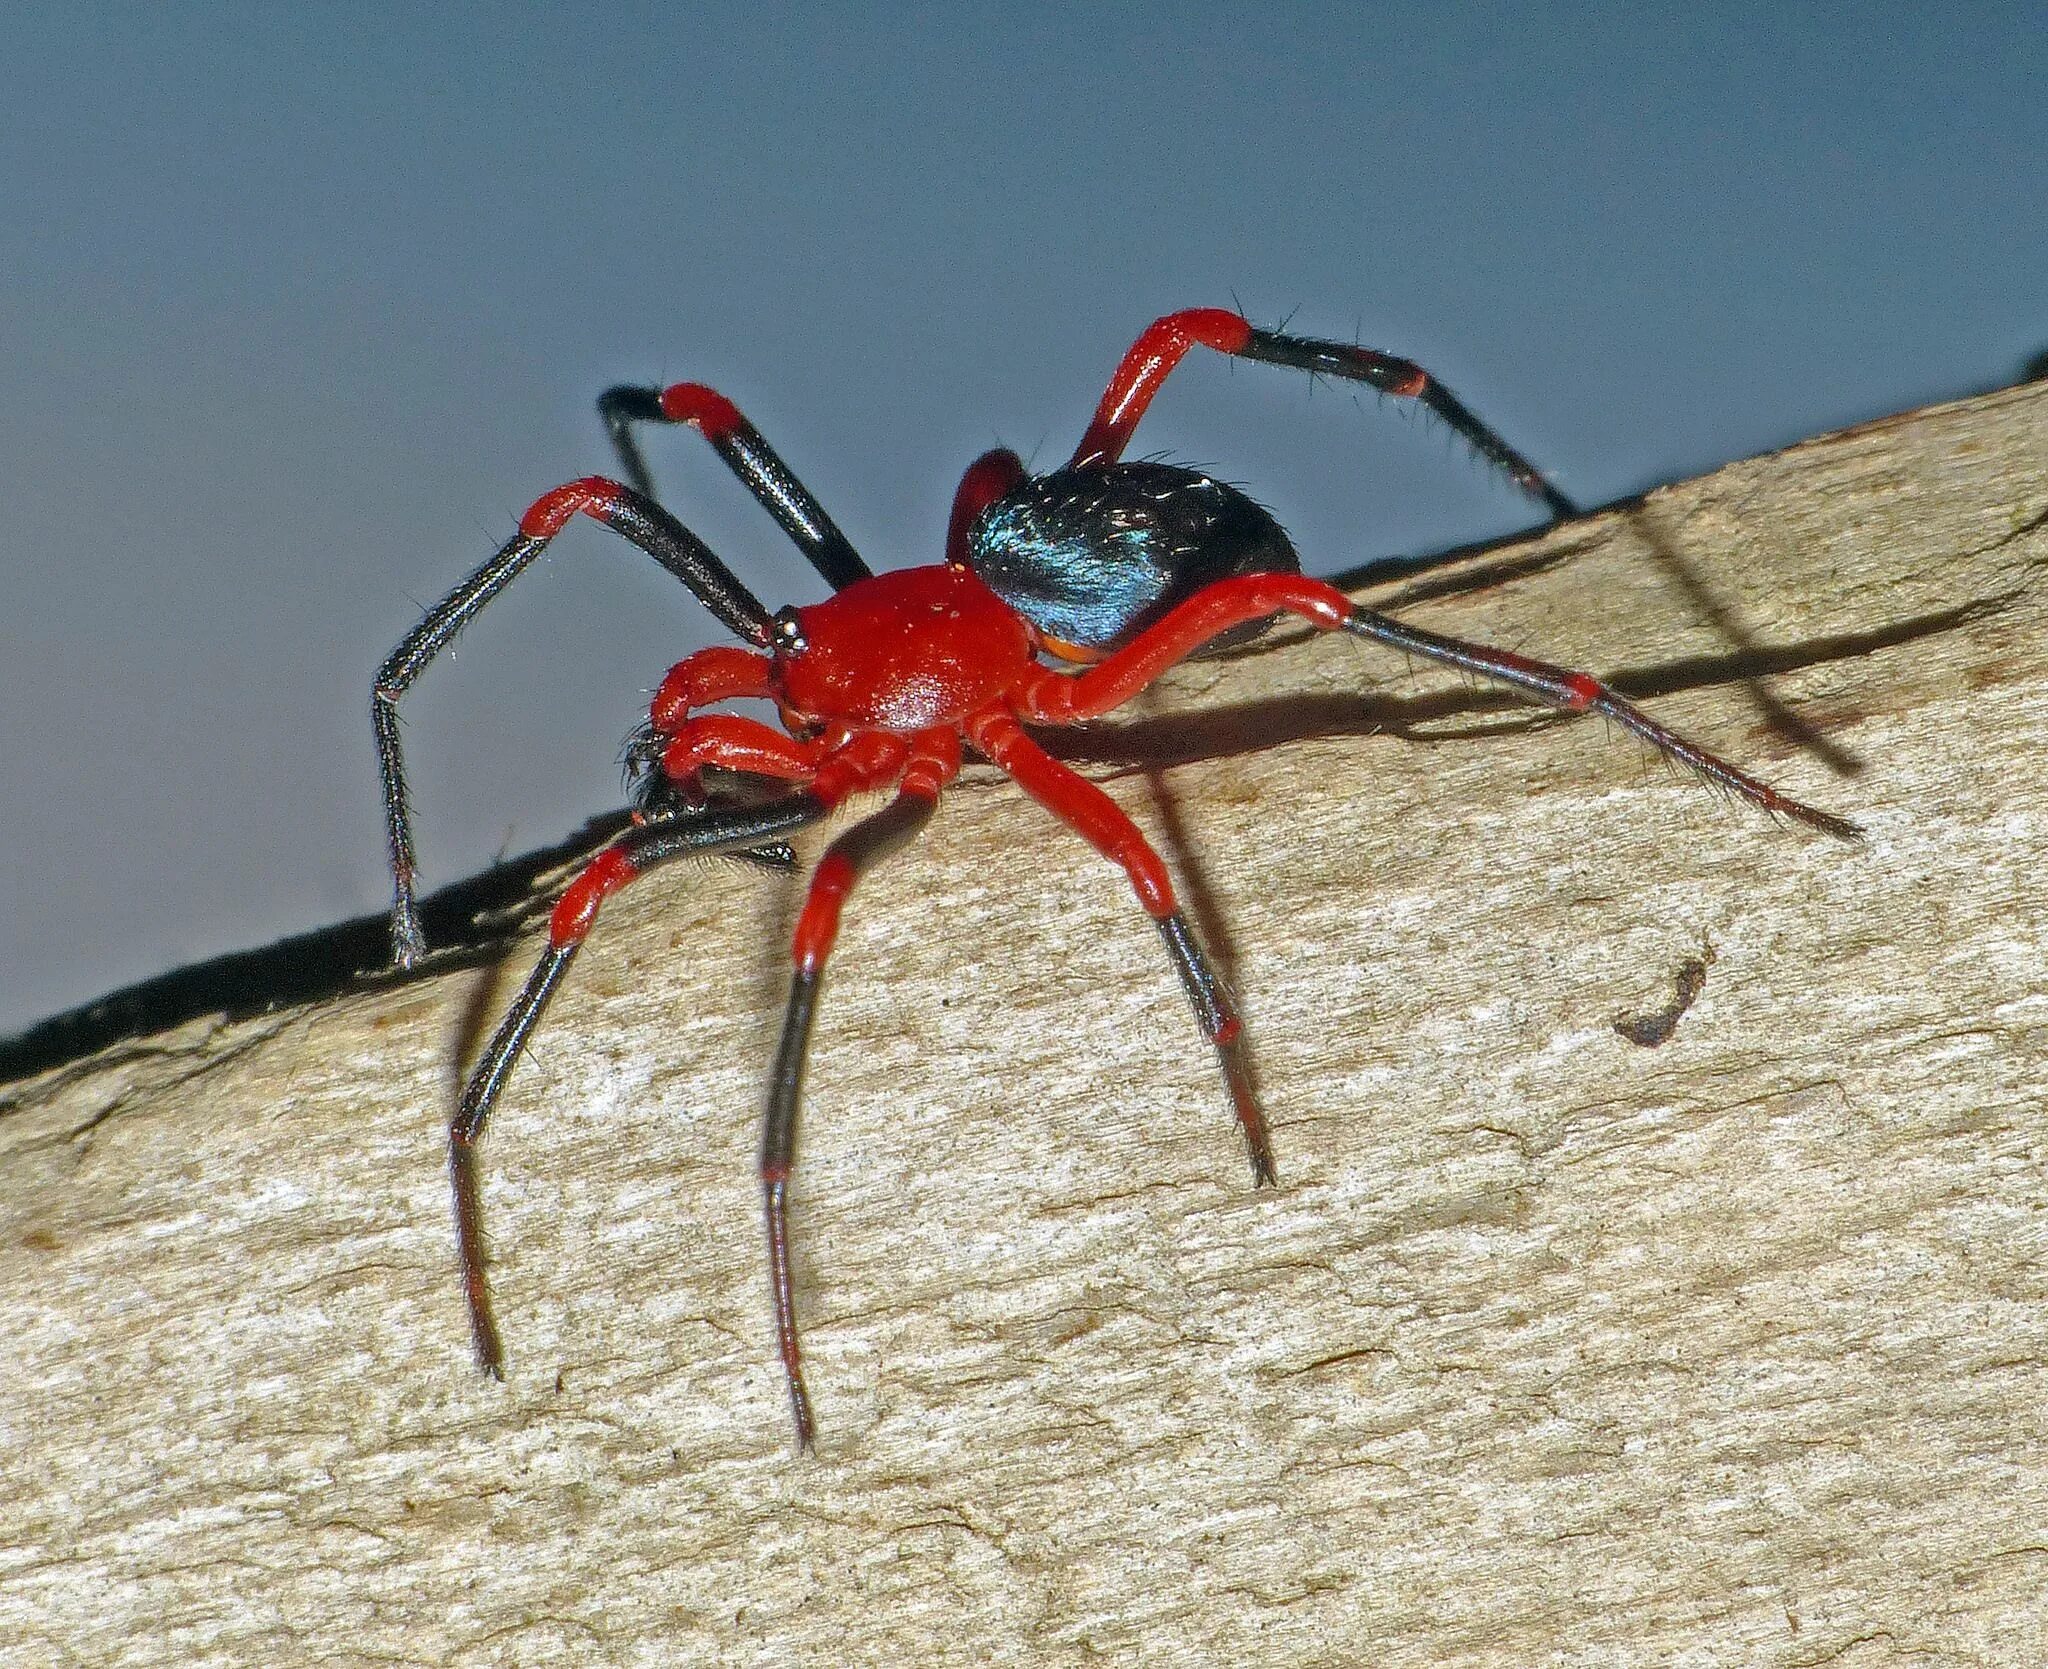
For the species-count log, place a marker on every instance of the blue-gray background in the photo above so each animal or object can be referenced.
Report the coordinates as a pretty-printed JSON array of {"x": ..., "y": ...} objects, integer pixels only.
[{"x": 300, "y": 306}]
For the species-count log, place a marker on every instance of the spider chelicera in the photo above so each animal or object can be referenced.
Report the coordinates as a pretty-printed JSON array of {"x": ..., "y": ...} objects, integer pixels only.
[{"x": 1120, "y": 568}]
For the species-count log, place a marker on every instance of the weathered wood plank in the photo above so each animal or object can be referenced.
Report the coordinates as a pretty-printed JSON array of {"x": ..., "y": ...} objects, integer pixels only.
[{"x": 1551, "y": 1347}]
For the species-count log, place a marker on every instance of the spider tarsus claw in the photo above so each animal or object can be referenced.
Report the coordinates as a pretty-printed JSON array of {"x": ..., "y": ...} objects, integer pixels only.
[
  {"x": 408, "y": 943},
  {"x": 1812, "y": 816},
  {"x": 490, "y": 1350}
]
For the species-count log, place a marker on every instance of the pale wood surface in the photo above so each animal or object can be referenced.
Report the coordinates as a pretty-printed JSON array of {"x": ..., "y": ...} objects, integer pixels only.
[{"x": 1550, "y": 1349}]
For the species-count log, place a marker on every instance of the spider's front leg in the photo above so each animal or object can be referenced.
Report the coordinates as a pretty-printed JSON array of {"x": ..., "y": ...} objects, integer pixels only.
[
  {"x": 927, "y": 763},
  {"x": 633, "y": 854},
  {"x": 626, "y": 512}
]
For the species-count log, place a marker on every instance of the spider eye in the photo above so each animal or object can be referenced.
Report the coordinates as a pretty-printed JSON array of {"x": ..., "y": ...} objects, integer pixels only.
[{"x": 789, "y": 633}]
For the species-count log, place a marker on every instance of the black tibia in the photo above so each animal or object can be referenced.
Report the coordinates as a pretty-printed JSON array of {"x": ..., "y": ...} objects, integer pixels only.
[
  {"x": 1558, "y": 686},
  {"x": 478, "y": 1097},
  {"x": 686, "y": 556},
  {"x": 1220, "y": 1023},
  {"x": 703, "y": 833},
  {"x": 844, "y": 862},
  {"x": 862, "y": 846},
  {"x": 756, "y": 463},
  {"x": 619, "y": 409},
  {"x": 1404, "y": 377},
  {"x": 786, "y": 1081},
  {"x": 778, "y": 1151},
  {"x": 721, "y": 830},
  {"x": 639, "y": 519}
]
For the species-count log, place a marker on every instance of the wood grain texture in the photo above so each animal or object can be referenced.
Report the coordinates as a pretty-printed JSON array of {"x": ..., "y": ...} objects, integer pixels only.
[{"x": 1551, "y": 1347}]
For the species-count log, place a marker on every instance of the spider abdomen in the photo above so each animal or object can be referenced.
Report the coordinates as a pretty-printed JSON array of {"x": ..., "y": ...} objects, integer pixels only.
[{"x": 1093, "y": 555}]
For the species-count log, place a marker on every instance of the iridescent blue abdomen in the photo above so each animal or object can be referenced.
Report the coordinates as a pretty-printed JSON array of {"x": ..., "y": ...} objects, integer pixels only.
[{"x": 1090, "y": 556}]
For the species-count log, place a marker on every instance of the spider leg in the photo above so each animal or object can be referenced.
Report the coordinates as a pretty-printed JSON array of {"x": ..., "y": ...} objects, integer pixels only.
[
  {"x": 1577, "y": 692},
  {"x": 1052, "y": 698},
  {"x": 745, "y": 453},
  {"x": 704, "y": 833},
  {"x": 1100, "y": 821},
  {"x": 990, "y": 476},
  {"x": 1163, "y": 344},
  {"x": 933, "y": 760},
  {"x": 629, "y": 513}
]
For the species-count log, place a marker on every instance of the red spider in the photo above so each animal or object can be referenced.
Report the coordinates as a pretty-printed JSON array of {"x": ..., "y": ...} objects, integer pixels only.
[{"x": 1124, "y": 567}]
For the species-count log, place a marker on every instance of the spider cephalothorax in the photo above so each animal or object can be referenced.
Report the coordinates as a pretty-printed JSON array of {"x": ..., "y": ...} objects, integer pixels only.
[{"x": 1124, "y": 567}]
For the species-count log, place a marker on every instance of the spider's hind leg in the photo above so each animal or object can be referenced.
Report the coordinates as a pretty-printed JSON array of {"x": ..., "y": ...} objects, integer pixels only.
[{"x": 1165, "y": 342}]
